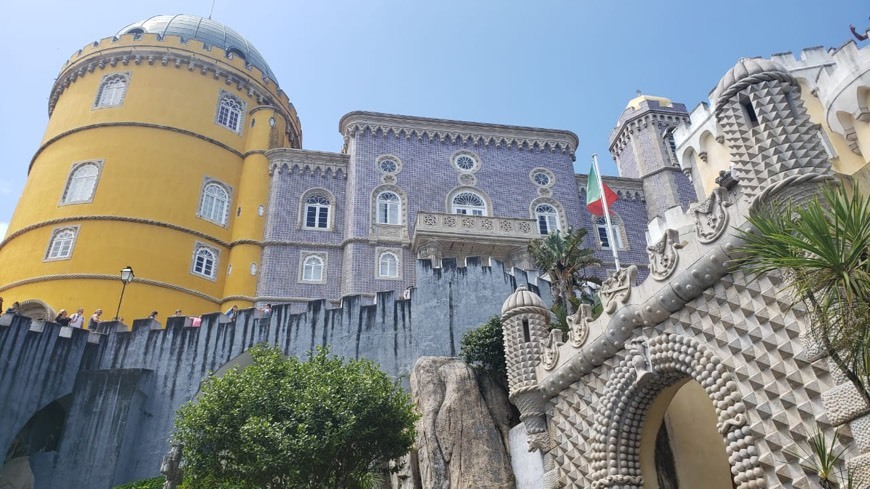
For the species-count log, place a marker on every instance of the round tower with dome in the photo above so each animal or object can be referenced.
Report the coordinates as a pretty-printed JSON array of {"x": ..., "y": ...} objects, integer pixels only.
[{"x": 153, "y": 158}]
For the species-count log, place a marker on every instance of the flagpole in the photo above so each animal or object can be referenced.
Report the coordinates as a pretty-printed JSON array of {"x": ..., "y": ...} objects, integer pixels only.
[{"x": 606, "y": 209}]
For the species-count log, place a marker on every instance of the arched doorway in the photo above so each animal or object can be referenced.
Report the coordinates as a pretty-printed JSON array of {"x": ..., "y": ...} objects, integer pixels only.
[
  {"x": 646, "y": 389},
  {"x": 680, "y": 446},
  {"x": 41, "y": 433}
]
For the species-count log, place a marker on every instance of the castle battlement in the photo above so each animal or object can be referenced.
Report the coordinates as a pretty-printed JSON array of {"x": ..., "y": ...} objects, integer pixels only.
[{"x": 172, "y": 51}]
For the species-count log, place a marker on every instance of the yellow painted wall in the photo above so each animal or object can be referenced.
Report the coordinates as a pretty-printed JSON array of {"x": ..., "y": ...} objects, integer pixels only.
[{"x": 148, "y": 173}]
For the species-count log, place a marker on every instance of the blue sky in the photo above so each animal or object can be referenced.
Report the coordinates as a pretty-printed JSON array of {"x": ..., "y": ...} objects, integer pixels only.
[{"x": 554, "y": 64}]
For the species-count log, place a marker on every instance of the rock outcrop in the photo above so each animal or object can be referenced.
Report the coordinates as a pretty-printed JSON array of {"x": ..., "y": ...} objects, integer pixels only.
[{"x": 462, "y": 436}]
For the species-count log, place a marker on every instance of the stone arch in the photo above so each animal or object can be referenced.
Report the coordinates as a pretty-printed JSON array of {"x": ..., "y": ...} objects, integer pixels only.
[
  {"x": 650, "y": 367},
  {"x": 36, "y": 309}
]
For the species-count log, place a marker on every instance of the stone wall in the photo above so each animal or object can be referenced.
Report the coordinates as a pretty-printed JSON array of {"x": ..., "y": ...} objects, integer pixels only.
[{"x": 125, "y": 386}]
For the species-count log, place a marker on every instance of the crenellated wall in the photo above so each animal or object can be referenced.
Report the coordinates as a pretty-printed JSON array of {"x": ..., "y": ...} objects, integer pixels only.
[{"x": 126, "y": 385}]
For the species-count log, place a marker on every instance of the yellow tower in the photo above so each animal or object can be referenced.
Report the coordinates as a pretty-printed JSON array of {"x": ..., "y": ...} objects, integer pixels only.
[{"x": 153, "y": 158}]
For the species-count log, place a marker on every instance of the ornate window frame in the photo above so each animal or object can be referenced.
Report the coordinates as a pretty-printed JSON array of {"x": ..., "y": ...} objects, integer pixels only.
[
  {"x": 208, "y": 182},
  {"x": 76, "y": 167},
  {"x": 302, "y": 218},
  {"x": 380, "y": 254},
  {"x": 228, "y": 117},
  {"x": 457, "y": 155},
  {"x": 105, "y": 82},
  {"x": 618, "y": 231},
  {"x": 555, "y": 204},
  {"x": 53, "y": 243},
  {"x": 304, "y": 256},
  {"x": 198, "y": 248},
  {"x": 403, "y": 205},
  {"x": 551, "y": 178},
  {"x": 448, "y": 202}
]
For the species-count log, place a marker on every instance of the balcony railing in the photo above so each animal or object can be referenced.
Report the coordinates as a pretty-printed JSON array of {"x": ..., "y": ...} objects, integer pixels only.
[{"x": 479, "y": 227}]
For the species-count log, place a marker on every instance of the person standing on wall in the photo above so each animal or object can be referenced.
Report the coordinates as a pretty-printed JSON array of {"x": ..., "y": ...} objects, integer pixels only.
[{"x": 95, "y": 320}]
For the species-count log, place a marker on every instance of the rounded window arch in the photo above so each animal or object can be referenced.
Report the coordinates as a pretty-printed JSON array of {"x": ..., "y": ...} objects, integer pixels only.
[
  {"x": 230, "y": 112},
  {"x": 112, "y": 90},
  {"x": 389, "y": 208},
  {"x": 317, "y": 209},
  {"x": 549, "y": 215},
  {"x": 388, "y": 265},
  {"x": 61, "y": 244},
  {"x": 617, "y": 232},
  {"x": 312, "y": 269},
  {"x": 81, "y": 183},
  {"x": 205, "y": 262},
  {"x": 214, "y": 202},
  {"x": 469, "y": 201}
]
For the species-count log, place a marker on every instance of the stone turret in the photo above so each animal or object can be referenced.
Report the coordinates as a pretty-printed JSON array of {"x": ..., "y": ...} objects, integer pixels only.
[
  {"x": 774, "y": 147},
  {"x": 524, "y": 319}
]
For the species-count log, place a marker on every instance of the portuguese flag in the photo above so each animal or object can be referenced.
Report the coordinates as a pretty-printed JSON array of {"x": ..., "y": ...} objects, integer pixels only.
[{"x": 594, "y": 199}]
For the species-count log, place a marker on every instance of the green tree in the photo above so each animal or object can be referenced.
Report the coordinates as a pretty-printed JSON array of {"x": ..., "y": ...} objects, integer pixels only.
[
  {"x": 483, "y": 346},
  {"x": 563, "y": 257},
  {"x": 821, "y": 248},
  {"x": 284, "y": 423}
]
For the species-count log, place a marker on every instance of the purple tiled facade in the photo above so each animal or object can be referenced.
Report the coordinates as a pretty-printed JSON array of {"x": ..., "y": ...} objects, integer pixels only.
[{"x": 427, "y": 178}]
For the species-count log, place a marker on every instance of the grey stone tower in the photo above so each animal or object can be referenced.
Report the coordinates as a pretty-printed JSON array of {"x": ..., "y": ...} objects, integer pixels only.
[{"x": 642, "y": 144}]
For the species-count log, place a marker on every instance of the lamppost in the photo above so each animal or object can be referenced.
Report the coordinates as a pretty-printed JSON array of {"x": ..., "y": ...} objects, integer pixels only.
[{"x": 126, "y": 277}]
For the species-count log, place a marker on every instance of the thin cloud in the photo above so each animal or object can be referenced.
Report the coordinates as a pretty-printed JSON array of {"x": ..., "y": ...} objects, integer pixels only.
[{"x": 3, "y": 227}]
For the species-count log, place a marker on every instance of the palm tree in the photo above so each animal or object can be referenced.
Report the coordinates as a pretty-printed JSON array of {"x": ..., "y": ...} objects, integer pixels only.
[
  {"x": 822, "y": 250},
  {"x": 563, "y": 257}
]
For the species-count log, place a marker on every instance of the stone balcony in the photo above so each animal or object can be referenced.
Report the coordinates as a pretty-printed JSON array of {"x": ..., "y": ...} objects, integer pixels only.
[{"x": 438, "y": 235}]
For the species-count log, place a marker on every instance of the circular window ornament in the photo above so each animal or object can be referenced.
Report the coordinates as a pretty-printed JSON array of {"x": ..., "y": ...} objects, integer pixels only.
[
  {"x": 466, "y": 161},
  {"x": 388, "y": 166},
  {"x": 542, "y": 177}
]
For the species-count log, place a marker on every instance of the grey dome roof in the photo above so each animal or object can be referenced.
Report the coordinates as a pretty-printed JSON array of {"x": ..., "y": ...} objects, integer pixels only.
[
  {"x": 745, "y": 68},
  {"x": 522, "y": 297},
  {"x": 207, "y": 31}
]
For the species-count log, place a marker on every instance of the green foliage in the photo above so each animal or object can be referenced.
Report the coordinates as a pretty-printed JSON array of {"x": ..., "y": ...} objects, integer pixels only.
[
  {"x": 563, "y": 257},
  {"x": 822, "y": 459},
  {"x": 484, "y": 347},
  {"x": 822, "y": 250},
  {"x": 283, "y": 423},
  {"x": 153, "y": 483}
]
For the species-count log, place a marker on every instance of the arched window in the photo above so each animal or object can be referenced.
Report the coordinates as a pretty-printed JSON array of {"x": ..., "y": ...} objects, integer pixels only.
[
  {"x": 548, "y": 218},
  {"x": 205, "y": 261},
  {"x": 214, "y": 203},
  {"x": 469, "y": 203},
  {"x": 388, "y": 265},
  {"x": 389, "y": 208},
  {"x": 312, "y": 269},
  {"x": 317, "y": 212},
  {"x": 61, "y": 244},
  {"x": 601, "y": 224},
  {"x": 112, "y": 90},
  {"x": 230, "y": 110},
  {"x": 81, "y": 184}
]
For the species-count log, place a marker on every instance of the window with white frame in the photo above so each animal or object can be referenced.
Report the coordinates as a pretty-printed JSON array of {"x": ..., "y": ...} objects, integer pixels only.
[
  {"x": 548, "y": 218},
  {"x": 112, "y": 90},
  {"x": 61, "y": 244},
  {"x": 469, "y": 203},
  {"x": 81, "y": 183},
  {"x": 388, "y": 265},
  {"x": 205, "y": 261},
  {"x": 214, "y": 203},
  {"x": 389, "y": 207},
  {"x": 317, "y": 212},
  {"x": 312, "y": 269},
  {"x": 601, "y": 225},
  {"x": 230, "y": 112}
]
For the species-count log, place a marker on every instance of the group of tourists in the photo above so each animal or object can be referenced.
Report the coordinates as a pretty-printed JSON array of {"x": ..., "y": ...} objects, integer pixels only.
[{"x": 77, "y": 320}]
